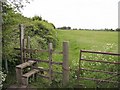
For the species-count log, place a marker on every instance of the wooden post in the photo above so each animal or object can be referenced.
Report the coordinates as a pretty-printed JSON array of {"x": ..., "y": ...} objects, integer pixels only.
[
  {"x": 21, "y": 40},
  {"x": 28, "y": 45},
  {"x": 50, "y": 47},
  {"x": 119, "y": 43},
  {"x": 65, "y": 63},
  {"x": 1, "y": 21},
  {"x": 24, "y": 47},
  {"x": 19, "y": 75},
  {"x": 6, "y": 65},
  {"x": 119, "y": 15}
]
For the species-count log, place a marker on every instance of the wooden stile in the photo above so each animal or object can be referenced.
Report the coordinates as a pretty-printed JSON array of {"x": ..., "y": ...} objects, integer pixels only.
[{"x": 25, "y": 57}]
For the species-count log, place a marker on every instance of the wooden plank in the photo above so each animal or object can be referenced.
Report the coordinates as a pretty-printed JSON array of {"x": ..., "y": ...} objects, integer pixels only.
[
  {"x": 28, "y": 50},
  {"x": 34, "y": 50},
  {"x": 100, "y": 80},
  {"x": 31, "y": 50},
  {"x": 100, "y": 61},
  {"x": 25, "y": 81},
  {"x": 98, "y": 71},
  {"x": 65, "y": 63},
  {"x": 79, "y": 66},
  {"x": 30, "y": 73},
  {"x": 26, "y": 76},
  {"x": 45, "y": 61},
  {"x": 108, "y": 53},
  {"x": 37, "y": 60},
  {"x": 26, "y": 64}
]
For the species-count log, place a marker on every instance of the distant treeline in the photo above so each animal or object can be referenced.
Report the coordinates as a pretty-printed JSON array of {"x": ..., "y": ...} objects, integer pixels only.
[{"x": 69, "y": 28}]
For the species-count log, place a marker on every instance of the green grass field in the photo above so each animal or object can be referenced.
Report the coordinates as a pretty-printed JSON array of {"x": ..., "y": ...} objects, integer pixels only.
[
  {"x": 87, "y": 40},
  {"x": 104, "y": 41}
]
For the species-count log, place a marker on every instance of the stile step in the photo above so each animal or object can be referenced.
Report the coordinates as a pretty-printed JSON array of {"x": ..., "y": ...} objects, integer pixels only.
[
  {"x": 25, "y": 77},
  {"x": 26, "y": 64},
  {"x": 30, "y": 73}
]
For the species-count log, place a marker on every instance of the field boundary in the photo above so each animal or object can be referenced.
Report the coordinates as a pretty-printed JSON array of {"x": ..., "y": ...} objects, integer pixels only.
[{"x": 107, "y": 80}]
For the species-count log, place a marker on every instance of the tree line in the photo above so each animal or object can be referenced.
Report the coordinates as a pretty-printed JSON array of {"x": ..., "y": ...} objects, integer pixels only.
[{"x": 69, "y": 28}]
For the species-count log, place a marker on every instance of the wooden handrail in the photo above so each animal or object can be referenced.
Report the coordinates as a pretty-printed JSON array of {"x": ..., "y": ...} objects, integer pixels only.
[{"x": 45, "y": 61}]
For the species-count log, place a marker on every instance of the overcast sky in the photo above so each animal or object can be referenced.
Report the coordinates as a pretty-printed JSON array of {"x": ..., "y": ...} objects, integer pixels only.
[{"x": 90, "y": 14}]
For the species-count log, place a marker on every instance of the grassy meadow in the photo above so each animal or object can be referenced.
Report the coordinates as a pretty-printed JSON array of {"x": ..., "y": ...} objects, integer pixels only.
[
  {"x": 104, "y": 41},
  {"x": 87, "y": 40}
]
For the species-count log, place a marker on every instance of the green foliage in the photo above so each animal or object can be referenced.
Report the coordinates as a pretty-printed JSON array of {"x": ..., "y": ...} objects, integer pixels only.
[
  {"x": 37, "y": 18},
  {"x": 40, "y": 31}
]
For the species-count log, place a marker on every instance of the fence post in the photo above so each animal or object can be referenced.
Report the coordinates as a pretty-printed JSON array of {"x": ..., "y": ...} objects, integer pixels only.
[
  {"x": 65, "y": 63},
  {"x": 28, "y": 46},
  {"x": 19, "y": 75},
  {"x": 24, "y": 47},
  {"x": 21, "y": 41},
  {"x": 50, "y": 47}
]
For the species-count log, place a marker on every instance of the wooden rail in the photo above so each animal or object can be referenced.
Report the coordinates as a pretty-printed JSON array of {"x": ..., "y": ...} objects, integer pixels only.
[
  {"x": 98, "y": 71},
  {"x": 26, "y": 55},
  {"x": 100, "y": 80},
  {"x": 98, "y": 52},
  {"x": 100, "y": 61},
  {"x": 36, "y": 50},
  {"x": 45, "y": 61}
]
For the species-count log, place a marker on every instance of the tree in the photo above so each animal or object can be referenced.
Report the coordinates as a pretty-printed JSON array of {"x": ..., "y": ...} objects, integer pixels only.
[
  {"x": 18, "y": 4},
  {"x": 39, "y": 18}
]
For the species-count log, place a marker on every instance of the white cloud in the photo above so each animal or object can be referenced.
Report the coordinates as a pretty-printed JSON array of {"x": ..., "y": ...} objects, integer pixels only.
[{"x": 76, "y": 13}]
